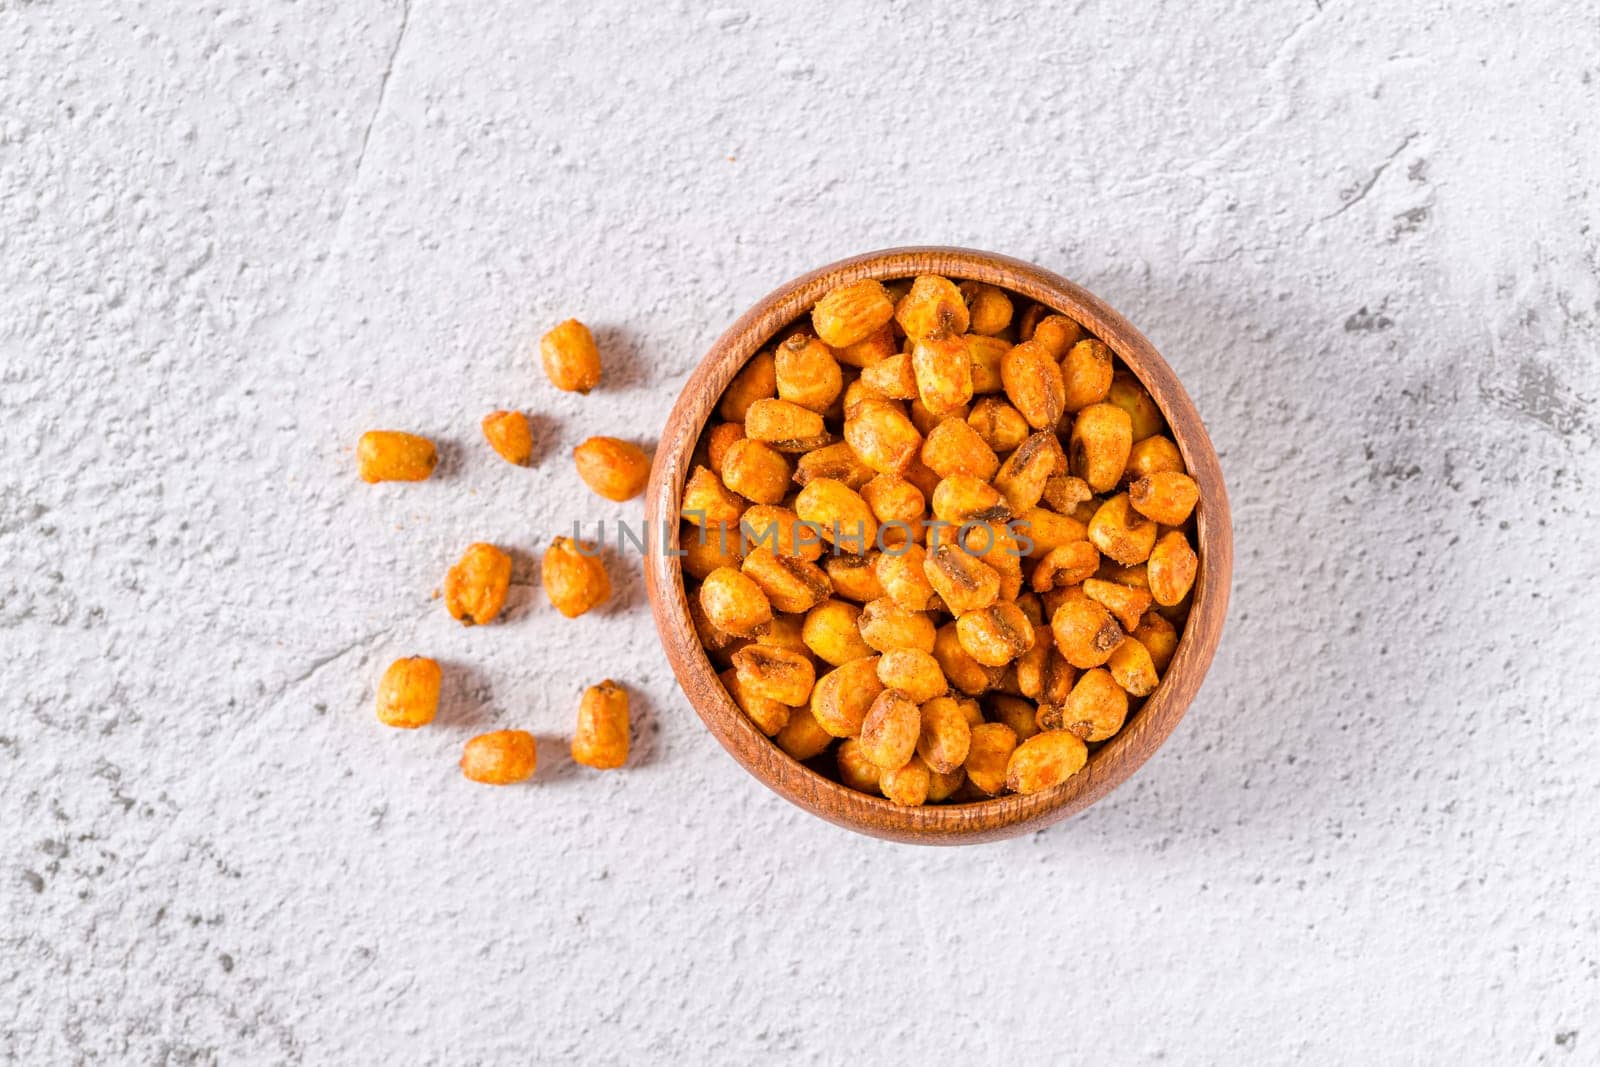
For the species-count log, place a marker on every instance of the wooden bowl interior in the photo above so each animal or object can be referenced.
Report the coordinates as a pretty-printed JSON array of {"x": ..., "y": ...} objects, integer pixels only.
[{"x": 1111, "y": 763}]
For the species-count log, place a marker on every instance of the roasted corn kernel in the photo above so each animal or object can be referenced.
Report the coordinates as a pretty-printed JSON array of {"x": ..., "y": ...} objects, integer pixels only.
[
  {"x": 1044, "y": 761},
  {"x": 1065, "y": 565},
  {"x": 962, "y": 498},
  {"x": 707, "y": 548},
  {"x": 768, "y": 715},
  {"x": 945, "y": 734},
  {"x": 1033, "y": 384},
  {"x": 475, "y": 588},
  {"x": 509, "y": 435},
  {"x": 1017, "y": 714},
  {"x": 775, "y": 673},
  {"x": 1144, "y": 418},
  {"x": 890, "y": 730},
  {"x": 790, "y": 583},
  {"x": 807, "y": 372},
  {"x": 408, "y": 695},
  {"x": 876, "y": 346},
  {"x": 785, "y": 425},
  {"x": 881, "y": 436},
  {"x": 502, "y": 757},
  {"x": 854, "y": 769},
  {"x": 988, "y": 308},
  {"x": 1085, "y": 633},
  {"x": 756, "y": 471},
  {"x": 393, "y": 456},
  {"x": 894, "y": 378},
  {"x": 1027, "y": 471},
  {"x": 1057, "y": 334},
  {"x": 802, "y": 737},
  {"x": 853, "y": 577},
  {"x": 1159, "y": 637},
  {"x": 615, "y": 469},
  {"x": 964, "y": 582},
  {"x": 719, "y": 439},
  {"x": 933, "y": 305},
  {"x": 962, "y": 671},
  {"x": 1001, "y": 426},
  {"x": 953, "y": 447},
  {"x": 734, "y": 603},
  {"x": 995, "y": 635},
  {"x": 756, "y": 380},
  {"x": 1172, "y": 570},
  {"x": 989, "y": 750},
  {"x": 894, "y": 500},
  {"x": 1122, "y": 533},
  {"x": 1102, "y": 436},
  {"x": 943, "y": 371},
  {"x": 843, "y": 696},
  {"x": 571, "y": 359},
  {"x": 839, "y": 514},
  {"x": 779, "y": 529},
  {"x": 831, "y": 633},
  {"x": 707, "y": 502},
  {"x": 601, "y": 737},
  {"x": 909, "y": 785},
  {"x": 852, "y": 312},
  {"x": 886, "y": 626},
  {"x": 1086, "y": 370},
  {"x": 1097, "y": 706},
  {"x": 1133, "y": 668},
  {"x": 987, "y": 355},
  {"x": 1168, "y": 497},
  {"x": 1128, "y": 603},
  {"x": 901, "y": 574},
  {"x": 837, "y": 461},
  {"x": 914, "y": 672},
  {"x": 1151, "y": 456}
]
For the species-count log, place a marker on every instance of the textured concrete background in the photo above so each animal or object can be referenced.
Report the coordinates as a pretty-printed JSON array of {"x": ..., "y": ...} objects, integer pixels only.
[{"x": 233, "y": 236}]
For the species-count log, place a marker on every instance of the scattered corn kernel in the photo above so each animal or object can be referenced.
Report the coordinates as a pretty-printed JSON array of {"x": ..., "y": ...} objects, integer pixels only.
[
  {"x": 475, "y": 588},
  {"x": 408, "y": 695},
  {"x": 601, "y": 737},
  {"x": 571, "y": 358},
  {"x": 617, "y": 470},
  {"x": 502, "y": 757},
  {"x": 508, "y": 434},
  {"x": 393, "y": 456},
  {"x": 573, "y": 577}
]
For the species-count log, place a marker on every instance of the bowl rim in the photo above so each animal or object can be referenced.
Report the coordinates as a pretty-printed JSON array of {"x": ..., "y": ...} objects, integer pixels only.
[{"x": 1008, "y": 815}]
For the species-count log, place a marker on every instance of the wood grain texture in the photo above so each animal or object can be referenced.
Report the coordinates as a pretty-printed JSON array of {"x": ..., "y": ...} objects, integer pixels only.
[{"x": 1004, "y": 816}]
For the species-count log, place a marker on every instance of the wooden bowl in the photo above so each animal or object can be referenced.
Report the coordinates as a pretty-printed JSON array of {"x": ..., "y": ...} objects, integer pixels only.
[{"x": 947, "y": 824}]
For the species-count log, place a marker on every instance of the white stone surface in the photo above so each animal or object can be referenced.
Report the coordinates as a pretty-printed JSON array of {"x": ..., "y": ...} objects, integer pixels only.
[{"x": 233, "y": 236}]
